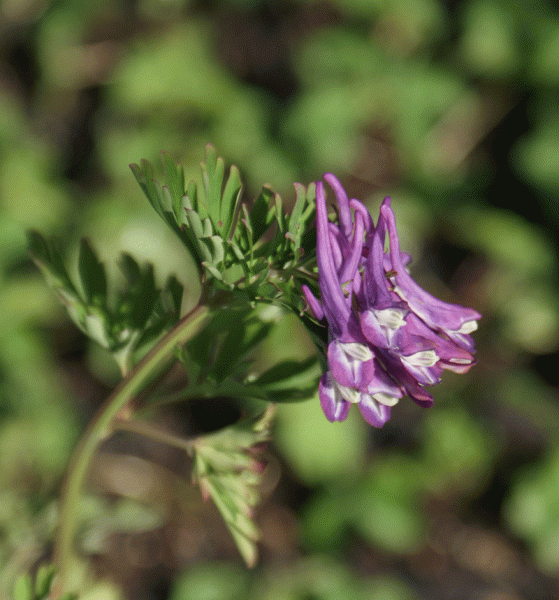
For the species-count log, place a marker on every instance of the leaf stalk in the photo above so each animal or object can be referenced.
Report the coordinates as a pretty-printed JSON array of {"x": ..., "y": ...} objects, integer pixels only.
[{"x": 103, "y": 424}]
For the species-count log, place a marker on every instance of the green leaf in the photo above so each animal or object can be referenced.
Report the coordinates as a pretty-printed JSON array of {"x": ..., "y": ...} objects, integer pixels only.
[
  {"x": 230, "y": 200},
  {"x": 280, "y": 215},
  {"x": 239, "y": 255},
  {"x": 141, "y": 295},
  {"x": 141, "y": 313},
  {"x": 92, "y": 275},
  {"x": 48, "y": 257},
  {"x": 164, "y": 314},
  {"x": 190, "y": 200},
  {"x": 130, "y": 268},
  {"x": 225, "y": 341},
  {"x": 166, "y": 198},
  {"x": 213, "y": 169},
  {"x": 43, "y": 580},
  {"x": 246, "y": 546},
  {"x": 214, "y": 244},
  {"x": 227, "y": 471},
  {"x": 174, "y": 179},
  {"x": 284, "y": 371},
  {"x": 262, "y": 214},
  {"x": 227, "y": 242},
  {"x": 242, "y": 337},
  {"x": 195, "y": 223},
  {"x": 23, "y": 588},
  {"x": 295, "y": 224},
  {"x": 168, "y": 202},
  {"x": 145, "y": 177},
  {"x": 172, "y": 295},
  {"x": 212, "y": 270},
  {"x": 290, "y": 381}
]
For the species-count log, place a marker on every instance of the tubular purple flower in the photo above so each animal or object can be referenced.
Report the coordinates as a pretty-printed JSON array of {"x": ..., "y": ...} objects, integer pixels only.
[
  {"x": 336, "y": 308},
  {"x": 343, "y": 204},
  {"x": 452, "y": 320},
  {"x": 387, "y": 336}
]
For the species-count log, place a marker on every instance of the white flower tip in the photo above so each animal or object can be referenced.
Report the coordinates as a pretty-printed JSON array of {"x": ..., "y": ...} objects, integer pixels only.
[
  {"x": 391, "y": 318},
  {"x": 350, "y": 394},
  {"x": 425, "y": 358},
  {"x": 468, "y": 327},
  {"x": 385, "y": 399},
  {"x": 357, "y": 351},
  {"x": 461, "y": 361}
]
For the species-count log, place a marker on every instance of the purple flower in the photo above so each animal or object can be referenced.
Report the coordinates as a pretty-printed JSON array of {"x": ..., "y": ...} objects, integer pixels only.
[{"x": 387, "y": 336}]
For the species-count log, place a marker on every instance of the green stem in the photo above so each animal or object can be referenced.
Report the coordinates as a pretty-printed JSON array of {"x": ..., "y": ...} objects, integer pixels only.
[
  {"x": 100, "y": 427},
  {"x": 154, "y": 433}
]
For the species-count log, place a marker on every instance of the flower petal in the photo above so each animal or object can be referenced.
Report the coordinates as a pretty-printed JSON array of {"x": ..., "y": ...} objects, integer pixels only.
[
  {"x": 352, "y": 262},
  {"x": 373, "y": 412},
  {"x": 388, "y": 337},
  {"x": 335, "y": 306},
  {"x": 375, "y": 380},
  {"x": 359, "y": 207},
  {"x": 313, "y": 303},
  {"x": 452, "y": 356},
  {"x": 376, "y": 290},
  {"x": 343, "y": 203},
  {"x": 344, "y": 366},
  {"x": 439, "y": 315},
  {"x": 333, "y": 405},
  {"x": 380, "y": 326},
  {"x": 406, "y": 380}
]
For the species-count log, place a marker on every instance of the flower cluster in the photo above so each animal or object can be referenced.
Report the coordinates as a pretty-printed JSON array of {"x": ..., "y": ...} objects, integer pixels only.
[{"x": 387, "y": 336}]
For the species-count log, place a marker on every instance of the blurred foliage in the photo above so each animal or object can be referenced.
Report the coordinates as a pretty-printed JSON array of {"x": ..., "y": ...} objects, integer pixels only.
[
  {"x": 533, "y": 510},
  {"x": 451, "y": 106},
  {"x": 39, "y": 589},
  {"x": 319, "y": 577}
]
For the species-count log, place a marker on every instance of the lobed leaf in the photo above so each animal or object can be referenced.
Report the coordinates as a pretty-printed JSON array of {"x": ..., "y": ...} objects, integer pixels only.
[
  {"x": 286, "y": 370},
  {"x": 48, "y": 257},
  {"x": 174, "y": 180},
  {"x": 92, "y": 275},
  {"x": 262, "y": 214},
  {"x": 229, "y": 241},
  {"x": 230, "y": 200},
  {"x": 213, "y": 169},
  {"x": 141, "y": 312},
  {"x": 226, "y": 470}
]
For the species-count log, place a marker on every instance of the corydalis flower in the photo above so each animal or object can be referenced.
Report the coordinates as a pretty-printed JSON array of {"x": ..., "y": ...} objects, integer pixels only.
[{"x": 387, "y": 336}]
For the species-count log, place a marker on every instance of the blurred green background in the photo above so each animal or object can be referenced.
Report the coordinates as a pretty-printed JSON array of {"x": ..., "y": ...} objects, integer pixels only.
[{"x": 451, "y": 107}]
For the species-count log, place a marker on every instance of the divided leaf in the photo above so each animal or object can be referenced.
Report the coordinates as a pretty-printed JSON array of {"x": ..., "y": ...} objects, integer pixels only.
[
  {"x": 196, "y": 215},
  {"x": 138, "y": 313},
  {"x": 48, "y": 257},
  {"x": 228, "y": 471},
  {"x": 229, "y": 240},
  {"x": 230, "y": 200},
  {"x": 290, "y": 380},
  {"x": 92, "y": 275},
  {"x": 220, "y": 360}
]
